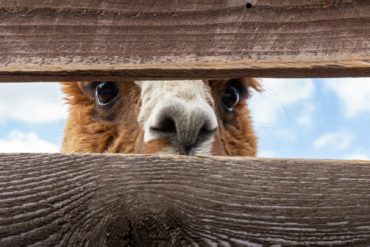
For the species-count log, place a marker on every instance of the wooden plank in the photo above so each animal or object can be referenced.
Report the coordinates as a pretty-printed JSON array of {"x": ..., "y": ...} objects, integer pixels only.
[
  {"x": 43, "y": 40},
  {"x": 116, "y": 200}
]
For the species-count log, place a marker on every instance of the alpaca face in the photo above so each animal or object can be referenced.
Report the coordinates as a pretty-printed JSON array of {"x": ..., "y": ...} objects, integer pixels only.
[{"x": 164, "y": 117}]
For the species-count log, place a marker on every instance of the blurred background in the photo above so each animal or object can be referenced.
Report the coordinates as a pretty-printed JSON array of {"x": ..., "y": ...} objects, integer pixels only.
[{"x": 295, "y": 118}]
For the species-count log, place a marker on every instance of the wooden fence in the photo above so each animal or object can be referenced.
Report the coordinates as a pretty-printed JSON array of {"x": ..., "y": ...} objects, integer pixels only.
[
  {"x": 46, "y": 40},
  {"x": 116, "y": 200}
]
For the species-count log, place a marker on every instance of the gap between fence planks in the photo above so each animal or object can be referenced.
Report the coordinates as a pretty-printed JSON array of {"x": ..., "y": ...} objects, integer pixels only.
[
  {"x": 118, "y": 200},
  {"x": 165, "y": 39}
]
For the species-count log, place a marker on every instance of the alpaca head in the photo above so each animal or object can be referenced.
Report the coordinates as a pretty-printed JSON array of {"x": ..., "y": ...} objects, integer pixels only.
[{"x": 166, "y": 117}]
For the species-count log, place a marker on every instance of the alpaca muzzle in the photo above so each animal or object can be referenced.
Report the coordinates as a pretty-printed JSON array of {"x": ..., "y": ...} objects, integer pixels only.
[{"x": 187, "y": 126}]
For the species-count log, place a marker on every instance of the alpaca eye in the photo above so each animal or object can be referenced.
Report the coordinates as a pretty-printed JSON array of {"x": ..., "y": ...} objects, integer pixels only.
[
  {"x": 105, "y": 93},
  {"x": 230, "y": 98}
]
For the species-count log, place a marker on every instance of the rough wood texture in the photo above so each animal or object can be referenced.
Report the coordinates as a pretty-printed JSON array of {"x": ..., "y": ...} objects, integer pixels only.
[
  {"x": 43, "y": 40},
  {"x": 113, "y": 200}
]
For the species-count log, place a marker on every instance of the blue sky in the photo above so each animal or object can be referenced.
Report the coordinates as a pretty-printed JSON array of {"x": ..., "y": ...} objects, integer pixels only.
[{"x": 296, "y": 118}]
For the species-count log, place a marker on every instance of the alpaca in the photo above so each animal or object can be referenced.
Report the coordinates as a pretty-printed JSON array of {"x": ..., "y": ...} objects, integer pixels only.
[{"x": 163, "y": 117}]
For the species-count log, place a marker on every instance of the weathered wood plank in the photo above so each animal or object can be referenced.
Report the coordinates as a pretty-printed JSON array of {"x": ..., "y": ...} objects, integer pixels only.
[
  {"x": 115, "y": 200},
  {"x": 43, "y": 40}
]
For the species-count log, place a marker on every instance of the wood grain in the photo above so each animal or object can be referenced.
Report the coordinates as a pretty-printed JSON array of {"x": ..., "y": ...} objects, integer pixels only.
[
  {"x": 116, "y": 200},
  {"x": 44, "y": 40}
]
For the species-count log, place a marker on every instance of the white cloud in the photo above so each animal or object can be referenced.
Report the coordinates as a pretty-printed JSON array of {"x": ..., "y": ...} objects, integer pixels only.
[
  {"x": 31, "y": 102},
  {"x": 18, "y": 142},
  {"x": 353, "y": 92},
  {"x": 305, "y": 120},
  {"x": 267, "y": 154},
  {"x": 335, "y": 141},
  {"x": 357, "y": 156},
  {"x": 277, "y": 95},
  {"x": 305, "y": 117}
]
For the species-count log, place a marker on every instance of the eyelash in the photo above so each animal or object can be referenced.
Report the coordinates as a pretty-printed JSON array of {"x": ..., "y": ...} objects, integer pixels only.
[{"x": 243, "y": 91}]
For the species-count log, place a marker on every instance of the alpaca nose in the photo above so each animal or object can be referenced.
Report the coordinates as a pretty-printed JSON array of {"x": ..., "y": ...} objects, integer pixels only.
[{"x": 186, "y": 126}]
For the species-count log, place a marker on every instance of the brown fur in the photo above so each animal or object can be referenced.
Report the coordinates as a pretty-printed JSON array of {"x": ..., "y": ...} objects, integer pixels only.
[
  {"x": 236, "y": 129},
  {"x": 92, "y": 130}
]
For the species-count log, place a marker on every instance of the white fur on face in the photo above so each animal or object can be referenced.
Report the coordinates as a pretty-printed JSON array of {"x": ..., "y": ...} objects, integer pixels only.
[{"x": 188, "y": 103}]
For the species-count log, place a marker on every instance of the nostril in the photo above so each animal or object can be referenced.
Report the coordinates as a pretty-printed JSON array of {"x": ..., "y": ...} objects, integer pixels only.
[
  {"x": 166, "y": 125},
  {"x": 204, "y": 133},
  {"x": 201, "y": 136}
]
